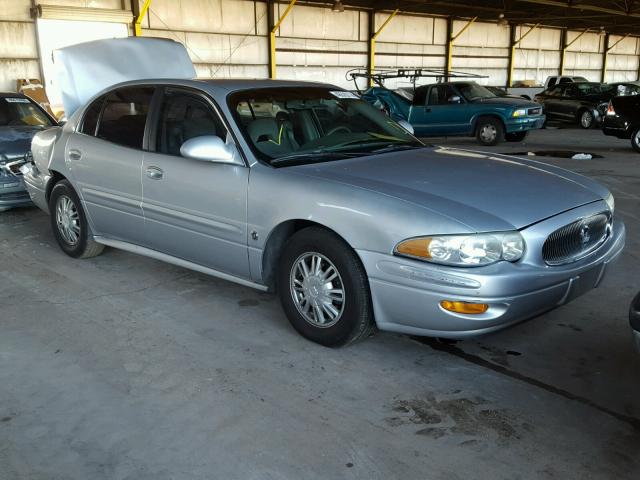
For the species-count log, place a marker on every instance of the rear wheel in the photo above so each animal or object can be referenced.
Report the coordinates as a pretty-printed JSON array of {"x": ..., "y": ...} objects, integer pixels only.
[
  {"x": 324, "y": 289},
  {"x": 69, "y": 223},
  {"x": 489, "y": 131},
  {"x": 585, "y": 119},
  {"x": 635, "y": 140},
  {"x": 516, "y": 136}
]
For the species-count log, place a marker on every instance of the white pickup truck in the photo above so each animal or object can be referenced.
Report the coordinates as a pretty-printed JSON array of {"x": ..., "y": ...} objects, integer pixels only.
[{"x": 530, "y": 92}]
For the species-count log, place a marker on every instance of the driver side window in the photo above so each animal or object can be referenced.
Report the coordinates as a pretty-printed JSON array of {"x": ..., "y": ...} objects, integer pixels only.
[
  {"x": 440, "y": 95},
  {"x": 185, "y": 116}
]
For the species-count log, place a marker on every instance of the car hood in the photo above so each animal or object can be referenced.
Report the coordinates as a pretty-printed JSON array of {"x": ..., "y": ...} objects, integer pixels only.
[
  {"x": 15, "y": 141},
  {"x": 512, "y": 101},
  {"x": 483, "y": 191}
]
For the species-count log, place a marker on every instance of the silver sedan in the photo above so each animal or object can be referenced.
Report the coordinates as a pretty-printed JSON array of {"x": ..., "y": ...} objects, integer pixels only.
[{"x": 305, "y": 190}]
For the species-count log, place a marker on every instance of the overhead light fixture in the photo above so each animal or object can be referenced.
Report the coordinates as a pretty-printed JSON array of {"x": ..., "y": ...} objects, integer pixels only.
[
  {"x": 502, "y": 20},
  {"x": 337, "y": 6},
  {"x": 602, "y": 31}
]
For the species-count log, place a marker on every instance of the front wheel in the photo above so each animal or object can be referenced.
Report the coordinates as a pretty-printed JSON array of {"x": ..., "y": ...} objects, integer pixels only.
[
  {"x": 489, "y": 131},
  {"x": 324, "y": 289},
  {"x": 69, "y": 223},
  {"x": 635, "y": 140},
  {"x": 516, "y": 136},
  {"x": 586, "y": 119}
]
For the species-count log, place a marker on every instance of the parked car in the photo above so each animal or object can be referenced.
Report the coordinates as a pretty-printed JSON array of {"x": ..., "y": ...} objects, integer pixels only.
[
  {"x": 624, "y": 89},
  {"x": 20, "y": 119},
  {"x": 584, "y": 103},
  {"x": 622, "y": 119},
  {"x": 502, "y": 92},
  {"x": 460, "y": 108},
  {"x": 324, "y": 199},
  {"x": 529, "y": 92},
  {"x": 634, "y": 319}
]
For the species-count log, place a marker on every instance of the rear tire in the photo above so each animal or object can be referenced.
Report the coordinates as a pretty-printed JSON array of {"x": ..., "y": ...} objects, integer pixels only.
[
  {"x": 585, "y": 119},
  {"x": 516, "y": 136},
  {"x": 635, "y": 140},
  {"x": 489, "y": 131},
  {"x": 69, "y": 223},
  {"x": 324, "y": 289}
]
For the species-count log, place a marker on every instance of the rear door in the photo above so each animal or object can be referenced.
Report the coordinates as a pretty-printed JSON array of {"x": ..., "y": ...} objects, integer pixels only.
[
  {"x": 195, "y": 210},
  {"x": 105, "y": 156}
]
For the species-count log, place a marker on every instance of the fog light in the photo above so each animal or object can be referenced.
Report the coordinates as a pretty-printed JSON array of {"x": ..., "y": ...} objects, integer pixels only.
[{"x": 464, "y": 307}]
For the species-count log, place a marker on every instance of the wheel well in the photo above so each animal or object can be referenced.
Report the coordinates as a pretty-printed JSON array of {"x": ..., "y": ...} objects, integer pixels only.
[
  {"x": 275, "y": 244},
  {"x": 480, "y": 117},
  {"x": 55, "y": 178}
]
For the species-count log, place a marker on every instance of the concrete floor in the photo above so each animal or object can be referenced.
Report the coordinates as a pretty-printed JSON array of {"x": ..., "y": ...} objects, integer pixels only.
[{"x": 122, "y": 367}]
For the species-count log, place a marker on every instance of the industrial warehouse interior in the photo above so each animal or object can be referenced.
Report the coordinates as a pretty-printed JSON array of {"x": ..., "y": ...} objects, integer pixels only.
[{"x": 300, "y": 239}]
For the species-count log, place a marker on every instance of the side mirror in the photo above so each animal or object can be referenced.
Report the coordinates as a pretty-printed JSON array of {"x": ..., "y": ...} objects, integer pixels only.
[
  {"x": 407, "y": 126},
  {"x": 454, "y": 99},
  {"x": 208, "y": 148}
]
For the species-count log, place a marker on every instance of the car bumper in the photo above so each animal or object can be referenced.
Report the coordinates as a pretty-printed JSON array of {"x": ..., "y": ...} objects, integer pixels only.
[
  {"x": 35, "y": 184},
  {"x": 13, "y": 193},
  {"x": 406, "y": 293},
  {"x": 634, "y": 319},
  {"x": 524, "y": 124},
  {"x": 615, "y": 126}
]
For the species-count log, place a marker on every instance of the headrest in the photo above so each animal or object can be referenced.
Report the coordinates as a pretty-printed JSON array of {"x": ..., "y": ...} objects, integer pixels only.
[{"x": 263, "y": 129}]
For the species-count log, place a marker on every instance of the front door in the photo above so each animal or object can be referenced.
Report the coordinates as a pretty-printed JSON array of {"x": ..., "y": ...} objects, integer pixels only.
[
  {"x": 195, "y": 210},
  {"x": 444, "y": 113},
  {"x": 105, "y": 156}
]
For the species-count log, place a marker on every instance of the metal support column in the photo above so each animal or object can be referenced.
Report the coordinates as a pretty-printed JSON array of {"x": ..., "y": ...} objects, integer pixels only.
[
  {"x": 512, "y": 52},
  {"x": 451, "y": 41},
  {"x": 373, "y": 38},
  {"x": 137, "y": 24},
  {"x": 272, "y": 36}
]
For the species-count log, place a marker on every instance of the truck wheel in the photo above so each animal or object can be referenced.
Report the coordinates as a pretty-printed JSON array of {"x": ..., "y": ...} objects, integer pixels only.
[
  {"x": 324, "y": 289},
  {"x": 489, "y": 131},
  {"x": 69, "y": 223},
  {"x": 585, "y": 119},
  {"x": 516, "y": 136},
  {"x": 635, "y": 140}
]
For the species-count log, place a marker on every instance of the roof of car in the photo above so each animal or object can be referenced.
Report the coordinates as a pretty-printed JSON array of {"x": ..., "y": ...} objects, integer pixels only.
[{"x": 12, "y": 95}]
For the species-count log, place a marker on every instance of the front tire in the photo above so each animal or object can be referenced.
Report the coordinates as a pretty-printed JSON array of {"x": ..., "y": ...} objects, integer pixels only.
[
  {"x": 489, "y": 131},
  {"x": 69, "y": 223},
  {"x": 586, "y": 119},
  {"x": 635, "y": 140},
  {"x": 324, "y": 289}
]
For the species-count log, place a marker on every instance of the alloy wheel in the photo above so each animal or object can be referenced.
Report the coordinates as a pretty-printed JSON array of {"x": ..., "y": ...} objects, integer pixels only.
[
  {"x": 586, "y": 119},
  {"x": 317, "y": 289},
  {"x": 68, "y": 220}
]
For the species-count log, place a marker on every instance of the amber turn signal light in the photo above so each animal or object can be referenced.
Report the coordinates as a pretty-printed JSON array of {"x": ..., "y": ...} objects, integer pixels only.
[
  {"x": 415, "y": 247},
  {"x": 464, "y": 307}
]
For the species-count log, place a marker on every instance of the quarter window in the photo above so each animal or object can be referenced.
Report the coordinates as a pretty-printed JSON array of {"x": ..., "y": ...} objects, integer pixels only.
[
  {"x": 125, "y": 115},
  {"x": 90, "y": 121},
  {"x": 185, "y": 116}
]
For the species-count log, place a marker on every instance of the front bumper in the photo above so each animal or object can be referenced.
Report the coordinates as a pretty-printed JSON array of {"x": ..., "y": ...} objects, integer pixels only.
[
  {"x": 634, "y": 320},
  {"x": 36, "y": 185},
  {"x": 406, "y": 293},
  {"x": 12, "y": 192},
  {"x": 524, "y": 124}
]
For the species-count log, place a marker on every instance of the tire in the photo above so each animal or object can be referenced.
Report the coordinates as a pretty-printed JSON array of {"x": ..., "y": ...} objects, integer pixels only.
[
  {"x": 489, "y": 131},
  {"x": 516, "y": 136},
  {"x": 635, "y": 140},
  {"x": 69, "y": 223},
  {"x": 352, "y": 318},
  {"x": 585, "y": 119}
]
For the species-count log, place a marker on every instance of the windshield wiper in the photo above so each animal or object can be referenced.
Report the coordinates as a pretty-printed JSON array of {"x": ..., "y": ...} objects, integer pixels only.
[
  {"x": 393, "y": 148},
  {"x": 313, "y": 156}
]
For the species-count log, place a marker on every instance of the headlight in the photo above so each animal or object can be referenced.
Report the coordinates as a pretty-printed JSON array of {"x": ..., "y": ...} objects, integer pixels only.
[
  {"x": 611, "y": 202},
  {"x": 464, "y": 250},
  {"x": 521, "y": 112}
]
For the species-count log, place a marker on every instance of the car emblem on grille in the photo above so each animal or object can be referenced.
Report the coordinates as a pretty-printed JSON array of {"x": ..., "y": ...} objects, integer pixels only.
[{"x": 585, "y": 234}]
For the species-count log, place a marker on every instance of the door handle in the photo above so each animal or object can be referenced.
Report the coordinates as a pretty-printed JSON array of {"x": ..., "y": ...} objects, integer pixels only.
[
  {"x": 75, "y": 155},
  {"x": 155, "y": 173}
]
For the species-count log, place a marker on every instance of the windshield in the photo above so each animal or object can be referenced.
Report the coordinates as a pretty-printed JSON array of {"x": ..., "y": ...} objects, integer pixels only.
[
  {"x": 473, "y": 91},
  {"x": 306, "y": 124},
  {"x": 592, "y": 88},
  {"x": 20, "y": 111}
]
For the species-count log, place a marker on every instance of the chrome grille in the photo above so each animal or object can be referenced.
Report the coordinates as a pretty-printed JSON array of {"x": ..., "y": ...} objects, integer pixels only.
[{"x": 576, "y": 240}]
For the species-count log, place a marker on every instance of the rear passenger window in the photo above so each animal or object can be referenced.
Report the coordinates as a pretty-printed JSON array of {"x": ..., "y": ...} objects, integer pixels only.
[
  {"x": 124, "y": 116},
  {"x": 90, "y": 121},
  {"x": 185, "y": 116}
]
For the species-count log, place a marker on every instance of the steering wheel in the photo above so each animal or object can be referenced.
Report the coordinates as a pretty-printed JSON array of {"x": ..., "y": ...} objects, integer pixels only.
[{"x": 339, "y": 128}]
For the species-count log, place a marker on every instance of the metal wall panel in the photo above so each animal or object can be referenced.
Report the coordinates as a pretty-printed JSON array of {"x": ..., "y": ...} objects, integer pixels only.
[{"x": 623, "y": 61}]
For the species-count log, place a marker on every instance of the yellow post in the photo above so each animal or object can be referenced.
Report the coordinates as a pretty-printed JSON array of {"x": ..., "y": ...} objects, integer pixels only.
[
  {"x": 565, "y": 47},
  {"x": 453, "y": 39},
  {"x": 372, "y": 43},
  {"x": 272, "y": 39},
  {"x": 513, "y": 53},
  {"x": 137, "y": 26}
]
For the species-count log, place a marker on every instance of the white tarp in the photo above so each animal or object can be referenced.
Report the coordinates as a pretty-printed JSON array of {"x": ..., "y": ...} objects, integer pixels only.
[{"x": 85, "y": 69}]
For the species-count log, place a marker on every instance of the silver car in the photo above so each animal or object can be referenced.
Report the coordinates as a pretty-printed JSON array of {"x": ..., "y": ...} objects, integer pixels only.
[{"x": 305, "y": 190}]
